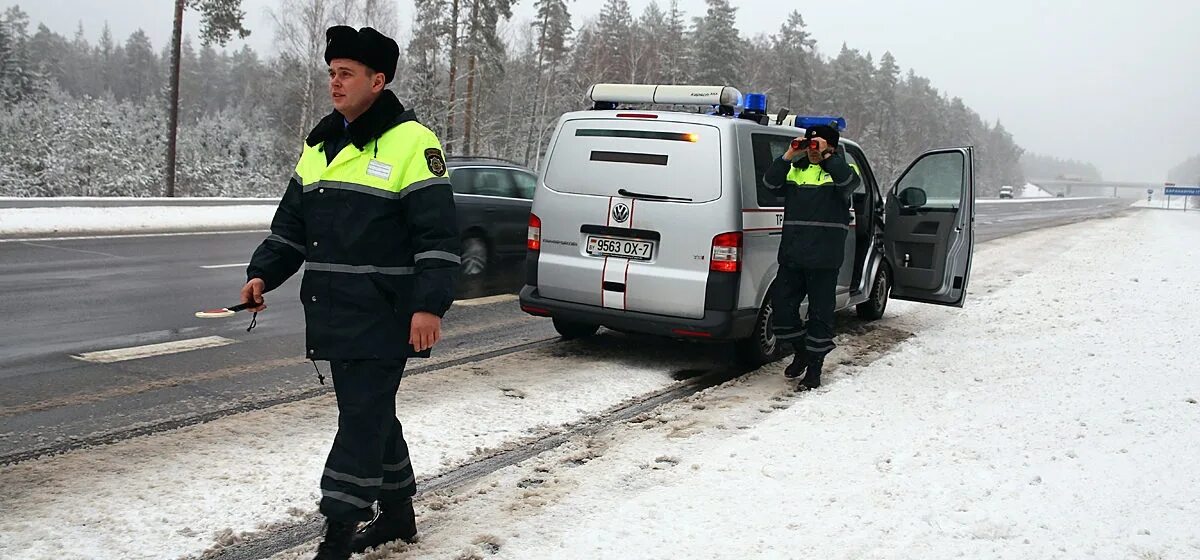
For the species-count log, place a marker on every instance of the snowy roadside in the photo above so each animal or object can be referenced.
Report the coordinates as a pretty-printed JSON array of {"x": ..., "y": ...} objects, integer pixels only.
[
  {"x": 181, "y": 492},
  {"x": 1055, "y": 417}
]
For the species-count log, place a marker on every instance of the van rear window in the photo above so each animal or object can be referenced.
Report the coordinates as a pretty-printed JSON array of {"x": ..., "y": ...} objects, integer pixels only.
[
  {"x": 604, "y": 156},
  {"x": 626, "y": 157}
]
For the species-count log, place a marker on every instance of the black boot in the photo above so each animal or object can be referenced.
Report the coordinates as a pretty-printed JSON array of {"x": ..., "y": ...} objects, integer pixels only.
[
  {"x": 396, "y": 521},
  {"x": 336, "y": 545},
  {"x": 812, "y": 377},
  {"x": 795, "y": 370}
]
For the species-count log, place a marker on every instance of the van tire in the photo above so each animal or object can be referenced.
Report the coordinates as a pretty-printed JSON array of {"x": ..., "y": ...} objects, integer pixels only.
[
  {"x": 571, "y": 330},
  {"x": 762, "y": 347},
  {"x": 881, "y": 289}
]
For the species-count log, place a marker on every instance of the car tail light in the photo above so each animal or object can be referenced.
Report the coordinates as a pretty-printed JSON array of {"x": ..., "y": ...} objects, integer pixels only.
[
  {"x": 726, "y": 253},
  {"x": 637, "y": 115},
  {"x": 534, "y": 241}
]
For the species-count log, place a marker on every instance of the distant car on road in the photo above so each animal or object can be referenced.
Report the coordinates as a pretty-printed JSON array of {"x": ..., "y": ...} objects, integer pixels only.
[
  {"x": 493, "y": 198},
  {"x": 1059, "y": 194},
  {"x": 1006, "y": 191}
]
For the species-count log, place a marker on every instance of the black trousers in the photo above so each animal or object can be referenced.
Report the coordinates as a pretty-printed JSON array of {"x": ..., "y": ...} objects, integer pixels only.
[
  {"x": 792, "y": 285},
  {"x": 369, "y": 460}
]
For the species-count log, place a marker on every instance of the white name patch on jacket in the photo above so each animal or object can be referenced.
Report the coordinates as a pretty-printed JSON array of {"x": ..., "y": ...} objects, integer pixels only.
[{"x": 376, "y": 168}]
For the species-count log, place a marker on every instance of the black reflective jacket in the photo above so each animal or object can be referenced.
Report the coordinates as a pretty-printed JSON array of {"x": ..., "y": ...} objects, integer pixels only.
[
  {"x": 374, "y": 225},
  {"x": 816, "y": 214}
]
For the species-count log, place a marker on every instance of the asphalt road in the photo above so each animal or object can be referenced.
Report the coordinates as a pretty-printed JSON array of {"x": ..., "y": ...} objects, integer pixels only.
[{"x": 63, "y": 298}]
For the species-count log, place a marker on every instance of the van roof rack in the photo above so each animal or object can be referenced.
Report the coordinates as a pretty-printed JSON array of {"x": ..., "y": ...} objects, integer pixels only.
[
  {"x": 728, "y": 100},
  {"x": 608, "y": 96}
]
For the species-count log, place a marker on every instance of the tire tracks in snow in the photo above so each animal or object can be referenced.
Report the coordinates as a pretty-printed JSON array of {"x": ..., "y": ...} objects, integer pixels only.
[{"x": 875, "y": 340}]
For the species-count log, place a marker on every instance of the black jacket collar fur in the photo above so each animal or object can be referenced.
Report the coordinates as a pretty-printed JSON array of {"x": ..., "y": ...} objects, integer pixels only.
[{"x": 386, "y": 113}]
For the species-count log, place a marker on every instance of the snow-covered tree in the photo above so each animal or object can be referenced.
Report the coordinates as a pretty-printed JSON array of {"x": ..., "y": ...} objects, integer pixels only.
[
  {"x": 244, "y": 113},
  {"x": 717, "y": 47}
]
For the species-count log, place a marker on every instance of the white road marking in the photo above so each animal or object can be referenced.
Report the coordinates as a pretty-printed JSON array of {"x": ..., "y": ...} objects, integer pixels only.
[
  {"x": 486, "y": 300},
  {"x": 234, "y": 265},
  {"x": 162, "y": 349}
]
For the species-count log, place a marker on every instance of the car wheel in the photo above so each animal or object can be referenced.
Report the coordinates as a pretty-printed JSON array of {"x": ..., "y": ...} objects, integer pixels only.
[
  {"x": 762, "y": 347},
  {"x": 881, "y": 290},
  {"x": 571, "y": 330},
  {"x": 474, "y": 257}
]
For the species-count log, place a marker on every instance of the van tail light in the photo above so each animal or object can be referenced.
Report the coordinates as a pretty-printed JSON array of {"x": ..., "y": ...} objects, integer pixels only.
[
  {"x": 534, "y": 241},
  {"x": 726, "y": 253}
]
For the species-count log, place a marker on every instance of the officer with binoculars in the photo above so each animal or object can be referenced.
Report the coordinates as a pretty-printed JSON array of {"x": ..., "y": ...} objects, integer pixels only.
[{"x": 817, "y": 184}]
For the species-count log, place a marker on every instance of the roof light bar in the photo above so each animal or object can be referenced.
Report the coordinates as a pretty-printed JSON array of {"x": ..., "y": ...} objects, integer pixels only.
[
  {"x": 806, "y": 122},
  {"x": 665, "y": 95}
]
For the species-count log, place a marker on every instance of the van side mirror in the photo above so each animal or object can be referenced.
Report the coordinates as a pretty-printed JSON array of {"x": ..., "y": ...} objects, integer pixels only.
[{"x": 912, "y": 198}]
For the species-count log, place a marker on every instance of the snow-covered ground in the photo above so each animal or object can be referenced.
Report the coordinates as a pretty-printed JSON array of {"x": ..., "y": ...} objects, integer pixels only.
[
  {"x": 1055, "y": 416},
  {"x": 181, "y": 492}
]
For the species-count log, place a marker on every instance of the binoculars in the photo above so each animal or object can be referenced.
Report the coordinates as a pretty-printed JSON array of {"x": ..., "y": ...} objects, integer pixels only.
[{"x": 802, "y": 144}]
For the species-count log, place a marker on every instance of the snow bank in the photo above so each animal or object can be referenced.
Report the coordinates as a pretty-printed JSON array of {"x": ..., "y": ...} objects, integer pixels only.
[
  {"x": 27, "y": 222},
  {"x": 1055, "y": 417}
]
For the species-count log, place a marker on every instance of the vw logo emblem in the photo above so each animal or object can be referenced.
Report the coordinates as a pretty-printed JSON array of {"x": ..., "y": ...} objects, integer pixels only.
[{"x": 620, "y": 213}]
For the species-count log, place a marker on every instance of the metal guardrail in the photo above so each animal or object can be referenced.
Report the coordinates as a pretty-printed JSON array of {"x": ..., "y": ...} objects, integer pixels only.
[{"x": 129, "y": 202}]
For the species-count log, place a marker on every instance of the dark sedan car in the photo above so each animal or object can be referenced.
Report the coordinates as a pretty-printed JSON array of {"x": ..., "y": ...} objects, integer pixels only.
[{"x": 493, "y": 197}]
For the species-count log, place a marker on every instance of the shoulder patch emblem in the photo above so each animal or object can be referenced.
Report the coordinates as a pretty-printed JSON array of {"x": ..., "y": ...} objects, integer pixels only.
[{"x": 437, "y": 163}]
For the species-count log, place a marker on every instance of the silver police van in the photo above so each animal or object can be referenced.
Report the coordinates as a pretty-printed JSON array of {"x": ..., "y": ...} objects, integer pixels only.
[{"x": 658, "y": 222}]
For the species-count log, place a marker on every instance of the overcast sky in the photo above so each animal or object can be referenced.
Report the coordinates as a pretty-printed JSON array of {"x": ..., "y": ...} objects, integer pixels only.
[{"x": 1080, "y": 79}]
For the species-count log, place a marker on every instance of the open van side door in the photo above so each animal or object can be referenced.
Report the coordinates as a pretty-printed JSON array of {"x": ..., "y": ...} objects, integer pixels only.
[{"x": 929, "y": 228}]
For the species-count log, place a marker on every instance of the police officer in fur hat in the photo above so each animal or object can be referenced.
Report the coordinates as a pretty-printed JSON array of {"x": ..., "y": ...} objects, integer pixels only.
[{"x": 369, "y": 214}]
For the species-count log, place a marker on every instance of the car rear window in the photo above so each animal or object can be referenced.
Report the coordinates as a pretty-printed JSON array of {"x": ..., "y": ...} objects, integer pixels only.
[{"x": 603, "y": 156}]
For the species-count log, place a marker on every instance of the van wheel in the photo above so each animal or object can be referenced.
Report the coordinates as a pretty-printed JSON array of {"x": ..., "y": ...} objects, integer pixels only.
[
  {"x": 762, "y": 347},
  {"x": 571, "y": 330},
  {"x": 881, "y": 289}
]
